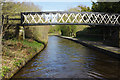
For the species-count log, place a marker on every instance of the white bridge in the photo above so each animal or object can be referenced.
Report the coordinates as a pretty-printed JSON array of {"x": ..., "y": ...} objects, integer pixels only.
[
  {"x": 63, "y": 18},
  {"x": 69, "y": 18}
]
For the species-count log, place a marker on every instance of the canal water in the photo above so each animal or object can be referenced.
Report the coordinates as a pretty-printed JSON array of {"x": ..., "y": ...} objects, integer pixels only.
[{"x": 63, "y": 58}]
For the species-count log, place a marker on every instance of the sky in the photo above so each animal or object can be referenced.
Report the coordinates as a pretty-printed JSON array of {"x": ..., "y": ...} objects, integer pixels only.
[
  {"x": 53, "y": 0},
  {"x": 60, "y": 6}
]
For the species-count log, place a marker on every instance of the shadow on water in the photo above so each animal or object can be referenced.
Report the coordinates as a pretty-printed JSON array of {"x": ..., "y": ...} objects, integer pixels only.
[{"x": 66, "y": 59}]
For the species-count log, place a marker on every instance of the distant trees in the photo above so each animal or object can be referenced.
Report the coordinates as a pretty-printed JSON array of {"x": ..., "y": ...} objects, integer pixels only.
[
  {"x": 70, "y": 30},
  {"x": 111, "y": 7},
  {"x": 80, "y": 9},
  {"x": 17, "y": 7},
  {"x": 13, "y": 8}
]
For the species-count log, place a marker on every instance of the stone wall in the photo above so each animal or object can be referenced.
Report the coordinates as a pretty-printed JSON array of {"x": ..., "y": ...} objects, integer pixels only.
[
  {"x": 39, "y": 33},
  {"x": 111, "y": 36}
]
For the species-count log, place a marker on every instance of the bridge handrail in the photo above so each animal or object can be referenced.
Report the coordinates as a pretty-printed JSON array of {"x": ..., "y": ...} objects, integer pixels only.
[{"x": 54, "y": 12}]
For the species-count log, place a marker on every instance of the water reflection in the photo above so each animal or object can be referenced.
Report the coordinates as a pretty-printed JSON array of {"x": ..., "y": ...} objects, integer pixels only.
[{"x": 66, "y": 59}]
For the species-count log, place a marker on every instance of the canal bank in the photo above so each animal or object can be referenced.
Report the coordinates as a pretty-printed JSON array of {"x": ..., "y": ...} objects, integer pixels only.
[
  {"x": 111, "y": 51},
  {"x": 18, "y": 50},
  {"x": 16, "y": 54}
]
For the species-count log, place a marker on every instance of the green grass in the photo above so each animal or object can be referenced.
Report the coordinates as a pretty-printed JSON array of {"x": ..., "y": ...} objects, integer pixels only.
[
  {"x": 4, "y": 70},
  {"x": 33, "y": 44},
  {"x": 7, "y": 53},
  {"x": 18, "y": 63}
]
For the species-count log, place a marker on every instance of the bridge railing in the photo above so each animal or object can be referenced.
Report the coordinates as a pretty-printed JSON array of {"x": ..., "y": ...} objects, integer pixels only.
[
  {"x": 69, "y": 18},
  {"x": 13, "y": 19}
]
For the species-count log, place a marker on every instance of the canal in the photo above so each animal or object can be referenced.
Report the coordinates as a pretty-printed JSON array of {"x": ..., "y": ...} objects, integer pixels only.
[{"x": 63, "y": 58}]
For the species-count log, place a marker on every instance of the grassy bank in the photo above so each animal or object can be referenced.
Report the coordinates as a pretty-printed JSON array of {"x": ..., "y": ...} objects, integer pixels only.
[{"x": 16, "y": 53}]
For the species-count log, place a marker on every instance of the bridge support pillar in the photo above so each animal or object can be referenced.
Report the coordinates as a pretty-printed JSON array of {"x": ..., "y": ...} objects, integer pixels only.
[{"x": 20, "y": 32}]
